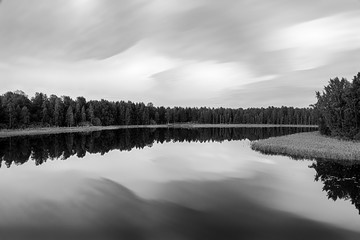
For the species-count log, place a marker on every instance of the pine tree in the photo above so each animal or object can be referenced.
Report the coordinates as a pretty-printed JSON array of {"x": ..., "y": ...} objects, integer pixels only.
[
  {"x": 44, "y": 113},
  {"x": 25, "y": 116},
  {"x": 157, "y": 118},
  {"x": 168, "y": 115},
  {"x": 70, "y": 117},
  {"x": 83, "y": 114},
  {"x": 128, "y": 116},
  {"x": 90, "y": 114},
  {"x": 11, "y": 114},
  {"x": 57, "y": 112}
]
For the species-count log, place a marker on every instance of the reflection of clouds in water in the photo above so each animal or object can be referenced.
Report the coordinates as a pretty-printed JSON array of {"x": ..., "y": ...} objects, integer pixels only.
[
  {"x": 166, "y": 162},
  {"x": 206, "y": 160},
  {"x": 106, "y": 210},
  {"x": 148, "y": 169}
]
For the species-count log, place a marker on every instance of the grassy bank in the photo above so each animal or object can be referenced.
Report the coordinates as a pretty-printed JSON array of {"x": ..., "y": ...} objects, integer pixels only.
[
  {"x": 309, "y": 145},
  {"x": 55, "y": 130}
]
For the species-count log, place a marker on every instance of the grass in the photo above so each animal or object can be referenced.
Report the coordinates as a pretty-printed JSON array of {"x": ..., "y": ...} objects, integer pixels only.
[
  {"x": 310, "y": 145},
  {"x": 56, "y": 130}
]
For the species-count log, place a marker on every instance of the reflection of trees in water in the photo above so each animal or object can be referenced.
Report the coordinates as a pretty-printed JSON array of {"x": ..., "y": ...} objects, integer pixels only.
[
  {"x": 341, "y": 179},
  {"x": 18, "y": 150}
]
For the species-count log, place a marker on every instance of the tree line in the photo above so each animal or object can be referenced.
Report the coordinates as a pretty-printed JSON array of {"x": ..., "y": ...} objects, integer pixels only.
[
  {"x": 18, "y": 150},
  {"x": 338, "y": 108},
  {"x": 18, "y": 111}
]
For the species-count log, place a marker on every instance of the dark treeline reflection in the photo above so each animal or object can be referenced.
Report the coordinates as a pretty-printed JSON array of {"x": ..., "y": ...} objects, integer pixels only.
[
  {"x": 18, "y": 150},
  {"x": 341, "y": 179}
]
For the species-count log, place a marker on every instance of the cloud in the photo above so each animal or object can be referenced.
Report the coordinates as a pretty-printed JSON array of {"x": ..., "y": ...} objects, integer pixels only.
[
  {"x": 196, "y": 82},
  {"x": 69, "y": 29},
  {"x": 268, "y": 93},
  {"x": 124, "y": 76},
  {"x": 177, "y": 52},
  {"x": 314, "y": 43},
  {"x": 206, "y": 30},
  {"x": 199, "y": 83},
  {"x": 293, "y": 88}
]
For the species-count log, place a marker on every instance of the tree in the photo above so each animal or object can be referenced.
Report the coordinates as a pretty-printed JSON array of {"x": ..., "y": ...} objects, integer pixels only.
[
  {"x": 90, "y": 113},
  {"x": 352, "y": 116},
  {"x": 83, "y": 114},
  {"x": 37, "y": 107},
  {"x": 2, "y": 114},
  {"x": 145, "y": 116},
  {"x": 237, "y": 117},
  {"x": 57, "y": 112},
  {"x": 11, "y": 114},
  {"x": 128, "y": 116},
  {"x": 25, "y": 116},
  {"x": 168, "y": 115},
  {"x": 80, "y": 102},
  {"x": 70, "y": 117},
  {"x": 338, "y": 107},
  {"x": 157, "y": 118},
  {"x": 332, "y": 105},
  {"x": 45, "y": 113}
]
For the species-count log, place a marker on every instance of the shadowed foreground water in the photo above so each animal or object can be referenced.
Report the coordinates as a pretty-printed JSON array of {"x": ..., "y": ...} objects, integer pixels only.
[
  {"x": 107, "y": 210},
  {"x": 182, "y": 189}
]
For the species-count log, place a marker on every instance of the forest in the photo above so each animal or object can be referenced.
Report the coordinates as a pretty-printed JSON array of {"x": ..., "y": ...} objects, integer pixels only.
[
  {"x": 338, "y": 108},
  {"x": 17, "y": 110}
]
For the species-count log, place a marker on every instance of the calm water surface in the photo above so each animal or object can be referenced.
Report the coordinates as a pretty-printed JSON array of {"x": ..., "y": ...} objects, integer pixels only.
[{"x": 171, "y": 184}]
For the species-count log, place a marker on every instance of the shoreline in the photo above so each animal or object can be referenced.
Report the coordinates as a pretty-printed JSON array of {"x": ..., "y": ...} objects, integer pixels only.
[
  {"x": 309, "y": 145},
  {"x": 56, "y": 130}
]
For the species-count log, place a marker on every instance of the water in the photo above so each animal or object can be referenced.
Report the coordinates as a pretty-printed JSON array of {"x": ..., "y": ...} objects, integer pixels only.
[{"x": 171, "y": 184}]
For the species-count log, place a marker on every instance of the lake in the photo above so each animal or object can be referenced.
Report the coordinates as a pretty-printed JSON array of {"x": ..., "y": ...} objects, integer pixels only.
[{"x": 172, "y": 184}]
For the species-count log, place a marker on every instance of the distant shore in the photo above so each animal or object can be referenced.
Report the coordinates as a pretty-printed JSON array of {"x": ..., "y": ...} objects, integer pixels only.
[
  {"x": 309, "y": 145},
  {"x": 55, "y": 130}
]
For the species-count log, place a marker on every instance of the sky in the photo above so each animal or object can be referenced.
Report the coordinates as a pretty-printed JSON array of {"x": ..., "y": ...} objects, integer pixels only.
[{"x": 229, "y": 53}]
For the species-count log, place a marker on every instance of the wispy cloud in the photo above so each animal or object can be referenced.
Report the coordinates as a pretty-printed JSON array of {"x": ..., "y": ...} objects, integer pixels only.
[
  {"x": 177, "y": 52},
  {"x": 315, "y": 43}
]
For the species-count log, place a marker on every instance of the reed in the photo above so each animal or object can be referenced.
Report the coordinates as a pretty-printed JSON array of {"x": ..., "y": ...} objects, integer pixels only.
[{"x": 309, "y": 145}]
